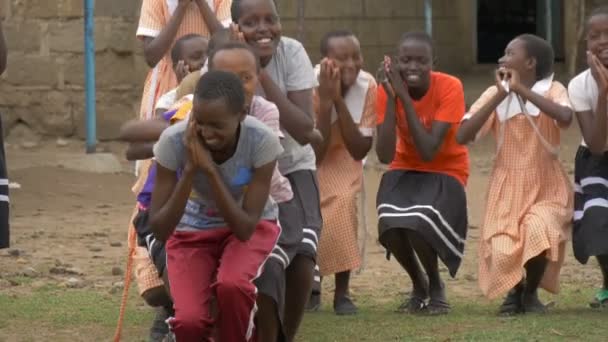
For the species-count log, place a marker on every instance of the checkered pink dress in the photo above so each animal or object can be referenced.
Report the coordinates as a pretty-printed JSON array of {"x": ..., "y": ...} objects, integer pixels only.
[
  {"x": 529, "y": 201},
  {"x": 340, "y": 181}
]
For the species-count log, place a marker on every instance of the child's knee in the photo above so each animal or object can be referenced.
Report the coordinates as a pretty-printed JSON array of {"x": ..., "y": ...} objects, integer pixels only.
[
  {"x": 191, "y": 326},
  {"x": 232, "y": 287},
  {"x": 392, "y": 240},
  {"x": 156, "y": 297}
]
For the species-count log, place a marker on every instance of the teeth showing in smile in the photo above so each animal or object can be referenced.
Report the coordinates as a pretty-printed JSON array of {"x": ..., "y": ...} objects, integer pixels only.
[
  {"x": 413, "y": 78},
  {"x": 264, "y": 40}
]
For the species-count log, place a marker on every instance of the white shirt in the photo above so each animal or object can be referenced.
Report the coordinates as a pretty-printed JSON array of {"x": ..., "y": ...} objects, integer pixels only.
[{"x": 583, "y": 93}]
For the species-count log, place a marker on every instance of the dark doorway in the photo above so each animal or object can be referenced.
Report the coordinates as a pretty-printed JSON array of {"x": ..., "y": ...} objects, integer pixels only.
[{"x": 499, "y": 21}]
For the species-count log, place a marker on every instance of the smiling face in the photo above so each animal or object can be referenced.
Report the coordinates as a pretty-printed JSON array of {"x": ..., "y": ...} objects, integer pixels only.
[
  {"x": 415, "y": 62},
  {"x": 597, "y": 37},
  {"x": 216, "y": 125},
  {"x": 346, "y": 52},
  {"x": 260, "y": 24}
]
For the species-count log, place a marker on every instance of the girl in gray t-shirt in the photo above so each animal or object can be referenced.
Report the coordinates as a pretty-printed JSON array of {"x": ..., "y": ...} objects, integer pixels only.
[{"x": 217, "y": 219}]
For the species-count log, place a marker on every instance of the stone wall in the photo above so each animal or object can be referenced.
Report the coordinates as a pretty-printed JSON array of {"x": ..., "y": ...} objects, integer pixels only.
[
  {"x": 380, "y": 23},
  {"x": 43, "y": 87}
]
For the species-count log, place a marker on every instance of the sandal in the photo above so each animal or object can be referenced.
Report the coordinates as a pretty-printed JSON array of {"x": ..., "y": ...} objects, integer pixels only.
[
  {"x": 414, "y": 305},
  {"x": 437, "y": 307},
  {"x": 600, "y": 300},
  {"x": 512, "y": 304},
  {"x": 532, "y": 304}
]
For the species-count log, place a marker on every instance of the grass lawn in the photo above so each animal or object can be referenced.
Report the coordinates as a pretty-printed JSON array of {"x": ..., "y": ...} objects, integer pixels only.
[{"x": 52, "y": 313}]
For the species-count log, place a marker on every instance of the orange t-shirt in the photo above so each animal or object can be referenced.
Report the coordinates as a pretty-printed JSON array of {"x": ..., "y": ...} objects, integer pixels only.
[{"x": 443, "y": 102}]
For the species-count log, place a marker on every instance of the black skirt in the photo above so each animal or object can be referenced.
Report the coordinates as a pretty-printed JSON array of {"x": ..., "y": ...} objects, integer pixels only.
[
  {"x": 432, "y": 204},
  {"x": 4, "y": 202},
  {"x": 590, "y": 230}
]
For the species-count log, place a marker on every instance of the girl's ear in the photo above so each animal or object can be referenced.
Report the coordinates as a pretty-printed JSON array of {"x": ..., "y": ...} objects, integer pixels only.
[{"x": 531, "y": 63}]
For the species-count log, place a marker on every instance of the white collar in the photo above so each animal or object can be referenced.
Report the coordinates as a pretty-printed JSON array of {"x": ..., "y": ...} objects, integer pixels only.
[{"x": 511, "y": 107}]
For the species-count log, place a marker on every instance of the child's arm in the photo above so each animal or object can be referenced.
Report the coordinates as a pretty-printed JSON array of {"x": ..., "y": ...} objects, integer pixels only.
[
  {"x": 136, "y": 131},
  {"x": 328, "y": 90},
  {"x": 140, "y": 151},
  {"x": 155, "y": 48},
  {"x": 481, "y": 111},
  {"x": 323, "y": 125},
  {"x": 295, "y": 109},
  {"x": 243, "y": 220},
  {"x": 357, "y": 144},
  {"x": 387, "y": 130},
  {"x": 210, "y": 18},
  {"x": 561, "y": 114},
  {"x": 427, "y": 144},
  {"x": 169, "y": 198},
  {"x": 593, "y": 122}
]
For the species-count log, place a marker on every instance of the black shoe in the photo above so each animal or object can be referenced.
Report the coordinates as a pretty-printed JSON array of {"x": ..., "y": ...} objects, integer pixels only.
[
  {"x": 532, "y": 303},
  {"x": 345, "y": 306},
  {"x": 159, "y": 329},
  {"x": 513, "y": 305}
]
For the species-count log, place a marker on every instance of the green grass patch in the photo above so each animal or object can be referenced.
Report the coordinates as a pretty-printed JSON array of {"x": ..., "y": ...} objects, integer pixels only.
[{"x": 54, "y": 309}]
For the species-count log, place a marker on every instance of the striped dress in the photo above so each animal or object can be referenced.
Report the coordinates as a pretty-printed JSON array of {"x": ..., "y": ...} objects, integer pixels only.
[
  {"x": 341, "y": 180},
  {"x": 529, "y": 201}
]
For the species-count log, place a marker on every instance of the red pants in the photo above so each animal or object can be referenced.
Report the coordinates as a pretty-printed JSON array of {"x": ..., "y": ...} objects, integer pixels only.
[{"x": 195, "y": 260}]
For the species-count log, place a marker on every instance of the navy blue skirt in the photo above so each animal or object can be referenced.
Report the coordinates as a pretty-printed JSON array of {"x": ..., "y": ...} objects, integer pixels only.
[{"x": 433, "y": 205}]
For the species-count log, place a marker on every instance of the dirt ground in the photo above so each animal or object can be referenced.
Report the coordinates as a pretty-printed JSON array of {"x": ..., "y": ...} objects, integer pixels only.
[{"x": 71, "y": 224}]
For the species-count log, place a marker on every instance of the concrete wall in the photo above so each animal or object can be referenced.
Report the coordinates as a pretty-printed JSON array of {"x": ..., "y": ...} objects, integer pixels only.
[
  {"x": 43, "y": 87},
  {"x": 380, "y": 23}
]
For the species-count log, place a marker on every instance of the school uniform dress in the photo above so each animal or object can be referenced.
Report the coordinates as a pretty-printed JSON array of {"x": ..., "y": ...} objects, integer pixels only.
[
  {"x": 204, "y": 257},
  {"x": 590, "y": 232},
  {"x": 154, "y": 16},
  {"x": 341, "y": 180},
  {"x": 428, "y": 197},
  {"x": 291, "y": 70},
  {"x": 4, "y": 199},
  {"x": 529, "y": 199}
]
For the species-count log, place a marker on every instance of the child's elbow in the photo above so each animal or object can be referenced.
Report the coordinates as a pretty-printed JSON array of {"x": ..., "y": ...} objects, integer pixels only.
[
  {"x": 566, "y": 119},
  {"x": 158, "y": 229},
  {"x": 312, "y": 137},
  {"x": 246, "y": 233},
  {"x": 461, "y": 139},
  {"x": 596, "y": 149},
  {"x": 384, "y": 157}
]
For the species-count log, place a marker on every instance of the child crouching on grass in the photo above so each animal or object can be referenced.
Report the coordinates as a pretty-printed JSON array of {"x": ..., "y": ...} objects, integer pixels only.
[{"x": 218, "y": 218}]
